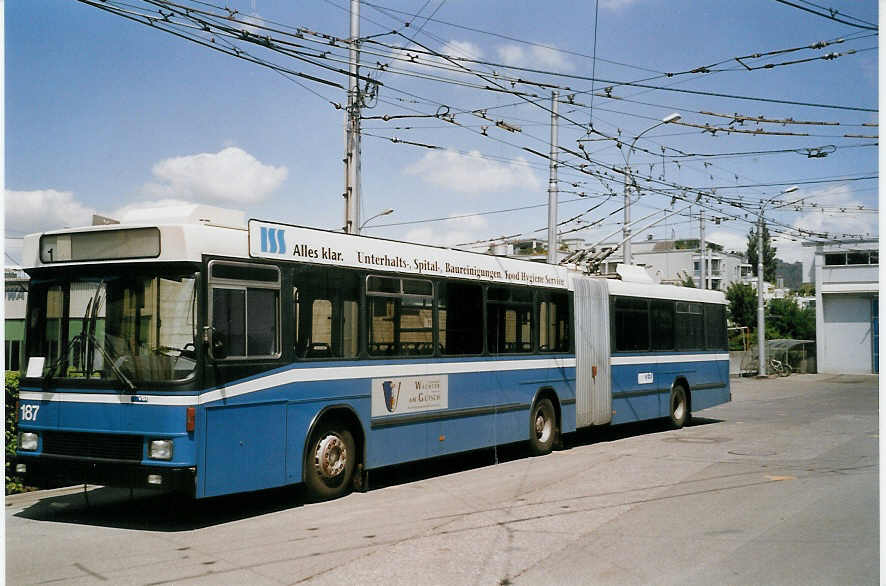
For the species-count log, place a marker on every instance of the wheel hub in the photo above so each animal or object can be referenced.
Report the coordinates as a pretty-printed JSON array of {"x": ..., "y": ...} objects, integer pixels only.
[
  {"x": 331, "y": 456},
  {"x": 541, "y": 427}
]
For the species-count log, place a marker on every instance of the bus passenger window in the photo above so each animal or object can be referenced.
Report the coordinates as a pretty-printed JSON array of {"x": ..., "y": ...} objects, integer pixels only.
[
  {"x": 508, "y": 320},
  {"x": 326, "y": 324},
  {"x": 661, "y": 318},
  {"x": 715, "y": 326},
  {"x": 460, "y": 311},
  {"x": 401, "y": 316},
  {"x": 553, "y": 330},
  {"x": 631, "y": 324},
  {"x": 245, "y": 309},
  {"x": 689, "y": 326}
]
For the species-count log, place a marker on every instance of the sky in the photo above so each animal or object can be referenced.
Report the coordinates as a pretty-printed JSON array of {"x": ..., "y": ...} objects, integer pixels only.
[{"x": 104, "y": 114}]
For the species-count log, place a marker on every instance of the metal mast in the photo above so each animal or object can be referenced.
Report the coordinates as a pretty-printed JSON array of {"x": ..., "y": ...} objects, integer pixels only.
[
  {"x": 352, "y": 129},
  {"x": 552, "y": 185},
  {"x": 703, "y": 282}
]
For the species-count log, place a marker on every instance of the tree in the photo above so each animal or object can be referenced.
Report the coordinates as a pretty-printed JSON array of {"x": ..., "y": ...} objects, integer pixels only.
[
  {"x": 786, "y": 319},
  {"x": 769, "y": 264},
  {"x": 687, "y": 282},
  {"x": 806, "y": 290},
  {"x": 13, "y": 484},
  {"x": 742, "y": 304}
]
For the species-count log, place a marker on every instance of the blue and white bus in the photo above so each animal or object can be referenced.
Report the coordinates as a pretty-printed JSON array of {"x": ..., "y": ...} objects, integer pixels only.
[{"x": 211, "y": 355}]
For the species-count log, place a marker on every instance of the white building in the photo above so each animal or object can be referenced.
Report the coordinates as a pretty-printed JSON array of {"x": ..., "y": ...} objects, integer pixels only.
[
  {"x": 846, "y": 306},
  {"x": 672, "y": 261},
  {"x": 16, "y": 285}
]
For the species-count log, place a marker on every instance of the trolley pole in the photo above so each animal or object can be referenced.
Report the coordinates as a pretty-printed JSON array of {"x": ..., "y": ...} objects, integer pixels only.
[
  {"x": 552, "y": 184},
  {"x": 352, "y": 129}
]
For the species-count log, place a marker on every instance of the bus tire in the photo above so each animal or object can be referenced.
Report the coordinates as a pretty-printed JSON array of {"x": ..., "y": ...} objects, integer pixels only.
[
  {"x": 679, "y": 406},
  {"x": 543, "y": 428},
  {"x": 330, "y": 461}
]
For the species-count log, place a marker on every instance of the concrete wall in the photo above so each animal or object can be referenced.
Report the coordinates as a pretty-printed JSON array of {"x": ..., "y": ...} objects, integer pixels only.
[{"x": 844, "y": 340}]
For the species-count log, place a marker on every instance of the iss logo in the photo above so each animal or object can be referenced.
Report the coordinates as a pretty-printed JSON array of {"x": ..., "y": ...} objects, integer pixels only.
[
  {"x": 392, "y": 394},
  {"x": 272, "y": 240}
]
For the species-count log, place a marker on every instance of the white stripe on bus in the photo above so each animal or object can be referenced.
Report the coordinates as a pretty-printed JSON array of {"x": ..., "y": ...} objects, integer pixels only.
[
  {"x": 296, "y": 375},
  {"x": 666, "y": 359}
]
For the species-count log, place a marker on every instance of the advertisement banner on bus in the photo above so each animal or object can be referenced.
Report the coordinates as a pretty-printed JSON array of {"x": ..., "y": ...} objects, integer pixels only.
[
  {"x": 294, "y": 243},
  {"x": 411, "y": 394}
]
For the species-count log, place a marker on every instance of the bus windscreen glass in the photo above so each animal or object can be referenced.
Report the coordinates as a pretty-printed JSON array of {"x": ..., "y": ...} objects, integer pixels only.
[{"x": 132, "y": 328}]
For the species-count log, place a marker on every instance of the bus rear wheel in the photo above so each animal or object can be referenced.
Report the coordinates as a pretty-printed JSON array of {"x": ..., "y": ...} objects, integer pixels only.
[
  {"x": 330, "y": 461},
  {"x": 679, "y": 406},
  {"x": 542, "y": 427}
]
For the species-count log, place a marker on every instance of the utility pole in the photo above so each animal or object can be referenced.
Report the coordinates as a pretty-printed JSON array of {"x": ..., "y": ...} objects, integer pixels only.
[
  {"x": 701, "y": 243},
  {"x": 761, "y": 310},
  {"x": 352, "y": 129},
  {"x": 552, "y": 184},
  {"x": 626, "y": 228}
]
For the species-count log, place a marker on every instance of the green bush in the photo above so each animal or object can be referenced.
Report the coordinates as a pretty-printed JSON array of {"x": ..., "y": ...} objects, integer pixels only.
[{"x": 13, "y": 484}]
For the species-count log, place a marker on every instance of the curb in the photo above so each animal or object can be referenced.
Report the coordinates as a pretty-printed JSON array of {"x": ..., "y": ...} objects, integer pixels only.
[{"x": 34, "y": 496}]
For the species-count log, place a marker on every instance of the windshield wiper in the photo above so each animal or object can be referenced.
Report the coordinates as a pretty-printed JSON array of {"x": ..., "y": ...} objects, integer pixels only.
[
  {"x": 110, "y": 360},
  {"x": 88, "y": 343}
]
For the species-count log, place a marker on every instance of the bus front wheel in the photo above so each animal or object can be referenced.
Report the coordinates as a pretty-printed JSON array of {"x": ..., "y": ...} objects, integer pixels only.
[
  {"x": 330, "y": 462},
  {"x": 542, "y": 427},
  {"x": 679, "y": 406}
]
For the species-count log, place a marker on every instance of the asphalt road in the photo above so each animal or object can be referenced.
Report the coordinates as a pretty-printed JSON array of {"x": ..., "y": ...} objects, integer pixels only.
[{"x": 778, "y": 487}]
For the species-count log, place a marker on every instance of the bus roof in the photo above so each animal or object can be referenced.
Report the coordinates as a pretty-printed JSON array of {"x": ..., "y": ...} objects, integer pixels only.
[{"x": 658, "y": 291}]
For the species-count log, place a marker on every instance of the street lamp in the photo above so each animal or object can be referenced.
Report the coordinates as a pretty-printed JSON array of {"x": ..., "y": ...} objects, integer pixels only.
[
  {"x": 384, "y": 213},
  {"x": 626, "y": 230},
  {"x": 761, "y": 313}
]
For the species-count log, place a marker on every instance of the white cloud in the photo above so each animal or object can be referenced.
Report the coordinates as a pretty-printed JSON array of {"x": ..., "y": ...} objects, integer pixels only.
[
  {"x": 142, "y": 205},
  {"x": 535, "y": 56},
  {"x": 616, "y": 4},
  {"x": 452, "y": 232},
  {"x": 43, "y": 209},
  {"x": 231, "y": 176},
  {"x": 472, "y": 173},
  {"x": 836, "y": 214},
  {"x": 461, "y": 49},
  {"x": 730, "y": 241},
  {"x": 419, "y": 58}
]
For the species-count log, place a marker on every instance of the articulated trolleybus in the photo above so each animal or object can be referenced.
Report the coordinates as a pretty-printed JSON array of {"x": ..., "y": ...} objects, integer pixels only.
[{"x": 205, "y": 354}]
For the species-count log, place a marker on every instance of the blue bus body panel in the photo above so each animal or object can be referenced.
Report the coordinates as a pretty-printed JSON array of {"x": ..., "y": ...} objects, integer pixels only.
[
  {"x": 109, "y": 412},
  {"x": 257, "y": 439},
  {"x": 641, "y": 389}
]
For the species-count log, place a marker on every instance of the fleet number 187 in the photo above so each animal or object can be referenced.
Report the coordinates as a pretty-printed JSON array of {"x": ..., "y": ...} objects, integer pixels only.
[{"x": 29, "y": 412}]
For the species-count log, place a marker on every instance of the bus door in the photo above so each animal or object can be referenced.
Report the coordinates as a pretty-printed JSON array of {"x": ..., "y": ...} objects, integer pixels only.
[{"x": 243, "y": 446}]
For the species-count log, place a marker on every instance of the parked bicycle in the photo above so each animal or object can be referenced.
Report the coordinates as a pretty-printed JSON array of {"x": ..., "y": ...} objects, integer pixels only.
[{"x": 780, "y": 368}]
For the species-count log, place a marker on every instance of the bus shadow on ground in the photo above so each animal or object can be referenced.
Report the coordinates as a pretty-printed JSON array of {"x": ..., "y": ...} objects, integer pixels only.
[{"x": 145, "y": 510}]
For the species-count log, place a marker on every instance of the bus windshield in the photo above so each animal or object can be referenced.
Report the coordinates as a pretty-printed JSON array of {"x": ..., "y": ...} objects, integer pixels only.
[{"x": 134, "y": 328}]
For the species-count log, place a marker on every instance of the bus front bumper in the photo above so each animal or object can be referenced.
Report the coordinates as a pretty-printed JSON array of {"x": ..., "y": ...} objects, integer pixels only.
[{"x": 50, "y": 472}]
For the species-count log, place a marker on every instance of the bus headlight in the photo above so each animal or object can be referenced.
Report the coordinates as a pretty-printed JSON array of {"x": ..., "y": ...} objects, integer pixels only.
[
  {"x": 160, "y": 450},
  {"x": 27, "y": 441}
]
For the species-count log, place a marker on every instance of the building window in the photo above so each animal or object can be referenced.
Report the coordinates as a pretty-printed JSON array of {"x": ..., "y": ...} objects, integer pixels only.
[{"x": 853, "y": 257}]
